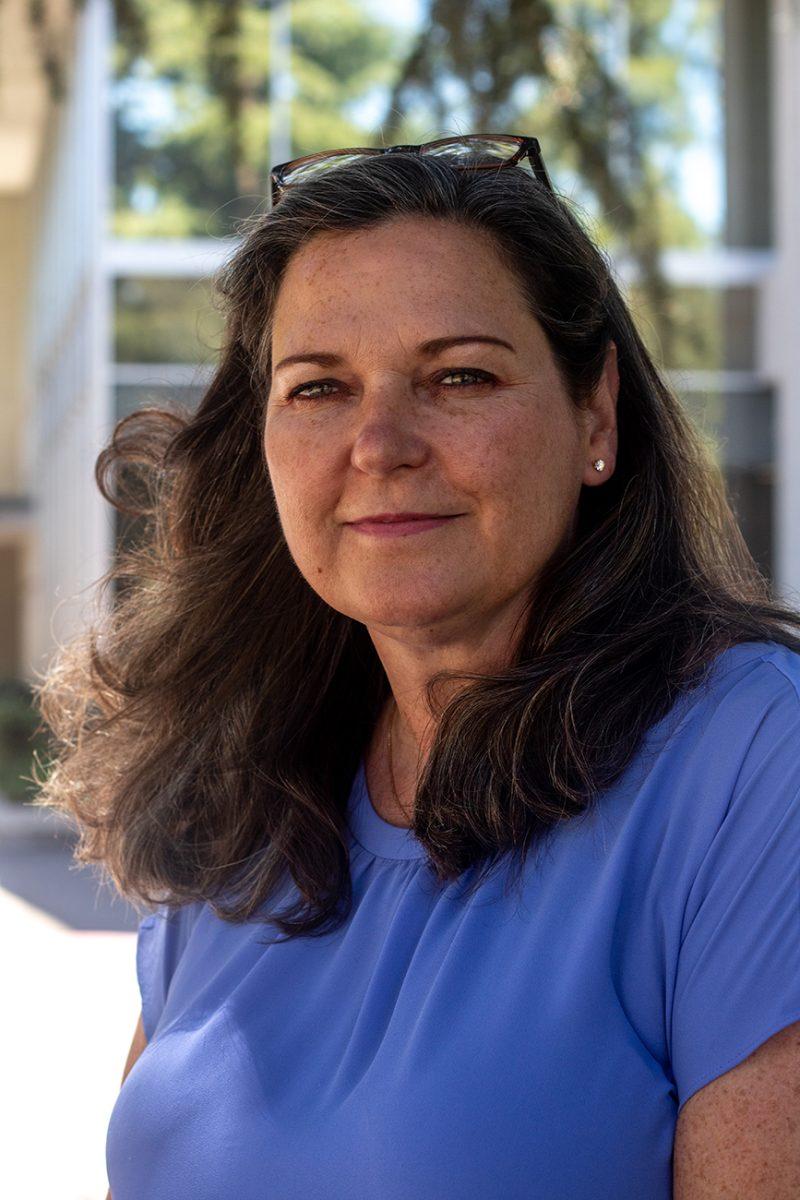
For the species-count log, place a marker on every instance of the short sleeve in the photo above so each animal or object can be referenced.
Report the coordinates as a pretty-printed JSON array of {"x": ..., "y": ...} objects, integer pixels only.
[
  {"x": 160, "y": 941},
  {"x": 737, "y": 980}
]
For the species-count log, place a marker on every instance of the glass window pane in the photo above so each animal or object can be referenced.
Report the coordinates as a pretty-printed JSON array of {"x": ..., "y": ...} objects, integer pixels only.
[{"x": 165, "y": 320}]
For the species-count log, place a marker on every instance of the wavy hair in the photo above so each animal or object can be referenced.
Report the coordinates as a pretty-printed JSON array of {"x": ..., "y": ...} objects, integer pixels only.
[{"x": 208, "y": 725}]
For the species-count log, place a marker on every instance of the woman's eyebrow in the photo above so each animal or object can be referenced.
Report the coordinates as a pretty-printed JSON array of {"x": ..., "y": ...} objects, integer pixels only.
[{"x": 429, "y": 349}]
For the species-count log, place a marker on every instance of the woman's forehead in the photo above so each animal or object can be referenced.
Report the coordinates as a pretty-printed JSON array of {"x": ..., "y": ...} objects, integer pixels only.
[
  {"x": 424, "y": 242},
  {"x": 359, "y": 285}
]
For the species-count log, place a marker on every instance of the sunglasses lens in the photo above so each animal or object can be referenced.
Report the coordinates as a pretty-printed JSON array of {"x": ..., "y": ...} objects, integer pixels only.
[
  {"x": 308, "y": 170},
  {"x": 475, "y": 149}
]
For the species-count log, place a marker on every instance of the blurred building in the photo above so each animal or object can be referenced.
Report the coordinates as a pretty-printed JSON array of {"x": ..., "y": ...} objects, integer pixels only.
[{"x": 67, "y": 289}]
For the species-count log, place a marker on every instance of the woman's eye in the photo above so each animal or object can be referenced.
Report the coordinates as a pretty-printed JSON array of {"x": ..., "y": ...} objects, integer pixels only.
[
  {"x": 453, "y": 372},
  {"x": 315, "y": 383},
  {"x": 481, "y": 376}
]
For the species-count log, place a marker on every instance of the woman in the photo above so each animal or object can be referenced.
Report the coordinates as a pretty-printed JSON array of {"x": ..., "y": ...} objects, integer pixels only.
[{"x": 445, "y": 657}]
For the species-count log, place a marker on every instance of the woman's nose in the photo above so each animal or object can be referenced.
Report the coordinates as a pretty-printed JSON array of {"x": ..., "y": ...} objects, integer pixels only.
[{"x": 385, "y": 434}]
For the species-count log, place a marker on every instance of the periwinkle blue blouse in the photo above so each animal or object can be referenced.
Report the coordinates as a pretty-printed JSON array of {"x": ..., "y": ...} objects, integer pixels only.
[{"x": 536, "y": 1045}]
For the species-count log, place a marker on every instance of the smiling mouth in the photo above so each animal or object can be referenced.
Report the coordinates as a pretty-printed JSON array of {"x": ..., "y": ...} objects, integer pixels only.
[
  {"x": 396, "y": 528},
  {"x": 401, "y": 516}
]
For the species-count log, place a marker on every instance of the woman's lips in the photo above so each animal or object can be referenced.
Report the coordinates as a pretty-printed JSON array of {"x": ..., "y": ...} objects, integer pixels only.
[{"x": 400, "y": 528}]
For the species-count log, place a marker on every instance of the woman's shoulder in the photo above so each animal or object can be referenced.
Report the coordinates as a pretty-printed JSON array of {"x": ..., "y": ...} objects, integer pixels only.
[
  {"x": 726, "y": 754},
  {"x": 729, "y": 752},
  {"x": 750, "y": 688},
  {"x": 732, "y": 915},
  {"x": 766, "y": 663}
]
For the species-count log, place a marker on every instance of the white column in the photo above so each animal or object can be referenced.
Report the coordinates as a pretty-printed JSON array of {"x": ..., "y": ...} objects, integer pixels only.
[
  {"x": 69, "y": 351},
  {"x": 780, "y": 319}
]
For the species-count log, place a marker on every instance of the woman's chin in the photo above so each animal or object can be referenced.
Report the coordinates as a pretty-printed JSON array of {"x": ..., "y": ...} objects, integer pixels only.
[{"x": 397, "y": 612}]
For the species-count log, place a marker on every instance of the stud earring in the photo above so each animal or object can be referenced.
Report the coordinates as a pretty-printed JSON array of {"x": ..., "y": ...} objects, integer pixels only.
[{"x": 598, "y": 464}]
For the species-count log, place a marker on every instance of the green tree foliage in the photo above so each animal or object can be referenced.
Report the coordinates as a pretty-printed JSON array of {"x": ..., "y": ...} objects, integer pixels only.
[
  {"x": 202, "y": 156},
  {"x": 600, "y": 82}
]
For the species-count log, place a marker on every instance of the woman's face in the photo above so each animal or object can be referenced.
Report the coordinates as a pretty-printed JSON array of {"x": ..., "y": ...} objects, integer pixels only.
[{"x": 483, "y": 432}]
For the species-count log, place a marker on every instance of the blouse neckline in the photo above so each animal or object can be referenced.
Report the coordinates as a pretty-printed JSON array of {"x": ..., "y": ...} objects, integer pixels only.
[{"x": 375, "y": 834}]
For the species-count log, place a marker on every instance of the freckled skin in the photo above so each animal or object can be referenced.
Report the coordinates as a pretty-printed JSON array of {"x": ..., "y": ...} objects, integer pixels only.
[
  {"x": 389, "y": 435},
  {"x": 512, "y": 456},
  {"x": 739, "y": 1136}
]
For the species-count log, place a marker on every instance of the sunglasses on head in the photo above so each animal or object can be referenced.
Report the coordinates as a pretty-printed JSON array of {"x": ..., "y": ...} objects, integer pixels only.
[{"x": 477, "y": 152}]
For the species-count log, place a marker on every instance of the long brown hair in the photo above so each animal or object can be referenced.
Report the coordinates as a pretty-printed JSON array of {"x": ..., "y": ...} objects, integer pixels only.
[{"x": 207, "y": 729}]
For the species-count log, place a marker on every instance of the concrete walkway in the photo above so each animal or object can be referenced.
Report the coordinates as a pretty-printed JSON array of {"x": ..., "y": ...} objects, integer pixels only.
[{"x": 68, "y": 1007}]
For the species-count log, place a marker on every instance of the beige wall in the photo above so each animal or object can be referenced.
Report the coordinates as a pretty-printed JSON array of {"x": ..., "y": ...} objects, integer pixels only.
[
  {"x": 15, "y": 233},
  {"x": 15, "y": 230}
]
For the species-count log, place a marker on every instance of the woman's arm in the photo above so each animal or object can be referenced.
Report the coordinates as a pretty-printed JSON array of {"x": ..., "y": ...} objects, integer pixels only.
[{"x": 738, "y": 1136}]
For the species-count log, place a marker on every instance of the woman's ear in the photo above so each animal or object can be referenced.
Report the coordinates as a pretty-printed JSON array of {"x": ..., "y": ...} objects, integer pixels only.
[
  {"x": 611, "y": 373},
  {"x": 602, "y": 415}
]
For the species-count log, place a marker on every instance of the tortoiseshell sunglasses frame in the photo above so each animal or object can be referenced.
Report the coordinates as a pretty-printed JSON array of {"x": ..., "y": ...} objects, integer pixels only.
[{"x": 526, "y": 147}]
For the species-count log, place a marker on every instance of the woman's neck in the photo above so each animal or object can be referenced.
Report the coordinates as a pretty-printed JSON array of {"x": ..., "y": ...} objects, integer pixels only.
[{"x": 392, "y": 782}]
